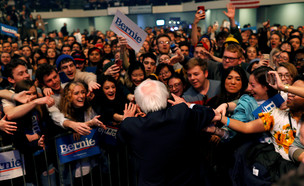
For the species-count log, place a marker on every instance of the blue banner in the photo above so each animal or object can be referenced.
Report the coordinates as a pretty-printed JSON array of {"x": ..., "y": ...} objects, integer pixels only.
[
  {"x": 8, "y": 30},
  {"x": 69, "y": 150},
  {"x": 106, "y": 136},
  {"x": 268, "y": 105}
]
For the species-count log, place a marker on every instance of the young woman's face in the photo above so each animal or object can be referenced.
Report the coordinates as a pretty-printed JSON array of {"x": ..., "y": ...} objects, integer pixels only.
[
  {"x": 107, "y": 49},
  {"x": 233, "y": 82},
  {"x": 78, "y": 96},
  {"x": 26, "y": 51},
  {"x": 36, "y": 56},
  {"x": 285, "y": 75},
  {"x": 251, "y": 53},
  {"x": 258, "y": 91},
  {"x": 137, "y": 76},
  {"x": 286, "y": 47},
  {"x": 51, "y": 53},
  {"x": 109, "y": 89},
  {"x": 43, "y": 48},
  {"x": 94, "y": 57},
  {"x": 164, "y": 74}
]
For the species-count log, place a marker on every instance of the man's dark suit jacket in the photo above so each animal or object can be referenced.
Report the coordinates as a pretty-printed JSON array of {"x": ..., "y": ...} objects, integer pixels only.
[{"x": 166, "y": 144}]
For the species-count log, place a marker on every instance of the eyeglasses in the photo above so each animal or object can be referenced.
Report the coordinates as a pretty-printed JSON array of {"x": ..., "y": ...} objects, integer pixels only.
[
  {"x": 164, "y": 42},
  {"x": 163, "y": 59},
  {"x": 176, "y": 85},
  {"x": 284, "y": 58},
  {"x": 287, "y": 76},
  {"x": 230, "y": 58}
]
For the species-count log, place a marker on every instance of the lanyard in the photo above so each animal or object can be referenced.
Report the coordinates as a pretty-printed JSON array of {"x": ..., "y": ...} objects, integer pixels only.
[{"x": 289, "y": 117}]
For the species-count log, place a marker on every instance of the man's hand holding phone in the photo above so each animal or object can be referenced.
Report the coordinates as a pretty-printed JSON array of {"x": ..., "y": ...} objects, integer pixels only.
[{"x": 200, "y": 14}]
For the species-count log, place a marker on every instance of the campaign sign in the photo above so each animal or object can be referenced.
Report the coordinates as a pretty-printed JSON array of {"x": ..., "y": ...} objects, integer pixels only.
[
  {"x": 8, "y": 30},
  {"x": 11, "y": 165},
  {"x": 69, "y": 150},
  {"x": 106, "y": 136},
  {"x": 269, "y": 105},
  {"x": 125, "y": 27}
]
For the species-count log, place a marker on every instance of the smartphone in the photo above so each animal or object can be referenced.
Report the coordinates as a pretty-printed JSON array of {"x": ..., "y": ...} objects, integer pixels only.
[
  {"x": 270, "y": 78},
  {"x": 173, "y": 47},
  {"x": 201, "y": 9},
  {"x": 266, "y": 57},
  {"x": 118, "y": 62}
]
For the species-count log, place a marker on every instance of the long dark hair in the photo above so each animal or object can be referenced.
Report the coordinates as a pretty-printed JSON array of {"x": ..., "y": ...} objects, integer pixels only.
[
  {"x": 260, "y": 77},
  {"x": 225, "y": 96},
  {"x": 102, "y": 82}
]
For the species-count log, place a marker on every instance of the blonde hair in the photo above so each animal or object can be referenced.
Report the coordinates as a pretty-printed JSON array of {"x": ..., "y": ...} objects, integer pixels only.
[{"x": 65, "y": 105}]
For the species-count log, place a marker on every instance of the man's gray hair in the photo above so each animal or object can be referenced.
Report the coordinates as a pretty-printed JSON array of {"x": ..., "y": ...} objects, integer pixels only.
[{"x": 151, "y": 96}]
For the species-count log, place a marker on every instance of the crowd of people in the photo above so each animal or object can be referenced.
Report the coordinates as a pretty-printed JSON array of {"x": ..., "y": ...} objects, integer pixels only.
[{"x": 55, "y": 82}]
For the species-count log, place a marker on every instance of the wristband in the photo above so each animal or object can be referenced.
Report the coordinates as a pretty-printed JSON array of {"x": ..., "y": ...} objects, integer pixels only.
[
  {"x": 228, "y": 122},
  {"x": 286, "y": 88},
  {"x": 227, "y": 106}
]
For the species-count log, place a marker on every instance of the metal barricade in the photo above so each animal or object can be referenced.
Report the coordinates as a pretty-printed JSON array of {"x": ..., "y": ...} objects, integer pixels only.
[{"x": 112, "y": 167}]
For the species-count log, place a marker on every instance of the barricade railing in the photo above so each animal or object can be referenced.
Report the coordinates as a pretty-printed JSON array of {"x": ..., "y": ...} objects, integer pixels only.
[{"x": 111, "y": 166}]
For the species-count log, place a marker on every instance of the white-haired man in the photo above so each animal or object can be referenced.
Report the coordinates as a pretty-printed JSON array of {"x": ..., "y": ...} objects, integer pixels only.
[{"x": 165, "y": 141}]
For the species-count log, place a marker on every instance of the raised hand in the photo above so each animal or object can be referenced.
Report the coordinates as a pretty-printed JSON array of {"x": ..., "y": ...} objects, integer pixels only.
[
  {"x": 198, "y": 16},
  {"x": 278, "y": 84},
  {"x": 177, "y": 58},
  {"x": 129, "y": 110},
  {"x": 177, "y": 100},
  {"x": 230, "y": 11}
]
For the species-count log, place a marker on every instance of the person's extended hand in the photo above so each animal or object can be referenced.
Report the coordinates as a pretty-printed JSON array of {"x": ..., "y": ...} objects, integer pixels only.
[
  {"x": 24, "y": 97},
  {"x": 266, "y": 24},
  {"x": 81, "y": 128},
  {"x": 7, "y": 126},
  {"x": 129, "y": 110},
  {"x": 92, "y": 86},
  {"x": 112, "y": 70},
  {"x": 198, "y": 17},
  {"x": 230, "y": 11},
  {"x": 278, "y": 84},
  {"x": 131, "y": 98},
  {"x": 222, "y": 109},
  {"x": 177, "y": 58},
  {"x": 139, "y": 112},
  {"x": 41, "y": 142},
  {"x": 177, "y": 100},
  {"x": 122, "y": 41},
  {"x": 96, "y": 122},
  {"x": 48, "y": 91},
  {"x": 217, "y": 116},
  {"x": 48, "y": 100}
]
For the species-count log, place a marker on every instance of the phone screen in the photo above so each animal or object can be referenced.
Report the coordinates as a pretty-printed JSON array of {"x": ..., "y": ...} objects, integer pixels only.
[{"x": 201, "y": 9}]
